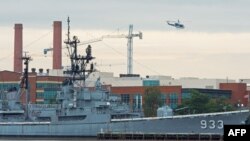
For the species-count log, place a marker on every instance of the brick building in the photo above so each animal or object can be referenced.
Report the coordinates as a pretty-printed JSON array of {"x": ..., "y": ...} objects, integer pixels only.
[
  {"x": 171, "y": 95},
  {"x": 239, "y": 92},
  {"x": 43, "y": 88}
]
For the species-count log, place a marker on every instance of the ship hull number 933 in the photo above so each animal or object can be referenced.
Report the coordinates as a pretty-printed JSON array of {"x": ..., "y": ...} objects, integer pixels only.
[{"x": 211, "y": 124}]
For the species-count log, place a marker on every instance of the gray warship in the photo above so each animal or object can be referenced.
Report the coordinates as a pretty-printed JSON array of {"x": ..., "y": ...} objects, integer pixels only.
[{"x": 85, "y": 112}]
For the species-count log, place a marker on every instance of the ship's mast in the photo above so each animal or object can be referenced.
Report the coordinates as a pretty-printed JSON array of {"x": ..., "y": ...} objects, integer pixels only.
[
  {"x": 79, "y": 63},
  {"x": 25, "y": 84}
]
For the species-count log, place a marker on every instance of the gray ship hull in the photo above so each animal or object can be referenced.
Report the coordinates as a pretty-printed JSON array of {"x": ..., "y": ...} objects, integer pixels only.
[{"x": 202, "y": 123}]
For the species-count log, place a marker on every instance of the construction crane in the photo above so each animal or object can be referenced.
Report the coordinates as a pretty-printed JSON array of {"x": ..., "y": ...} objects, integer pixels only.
[{"x": 130, "y": 37}]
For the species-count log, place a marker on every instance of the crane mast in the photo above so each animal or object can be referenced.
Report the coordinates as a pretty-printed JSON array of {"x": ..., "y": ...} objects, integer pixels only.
[
  {"x": 130, "y": 37},
  {"x": 130, "y": 50}
]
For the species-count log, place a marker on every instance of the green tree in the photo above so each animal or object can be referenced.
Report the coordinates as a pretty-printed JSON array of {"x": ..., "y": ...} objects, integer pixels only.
[
  {"x": 211, "y": 106},
  {"x": 197, "y": 102},
  {"x": 152, "y": 101},
  {"x": 202, "y": 103},
  {"x": 219, "y": 104}
]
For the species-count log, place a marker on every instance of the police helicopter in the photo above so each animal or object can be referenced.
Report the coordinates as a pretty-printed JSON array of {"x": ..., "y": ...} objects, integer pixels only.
[{"x": 177, "y": 24}]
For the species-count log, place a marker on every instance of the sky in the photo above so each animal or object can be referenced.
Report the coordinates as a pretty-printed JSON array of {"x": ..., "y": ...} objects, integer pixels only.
[{"x": 214, "y": 44}]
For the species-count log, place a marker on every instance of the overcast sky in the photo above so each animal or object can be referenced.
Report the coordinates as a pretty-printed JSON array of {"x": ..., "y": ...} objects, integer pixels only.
[{"x": 214, "y": 44}]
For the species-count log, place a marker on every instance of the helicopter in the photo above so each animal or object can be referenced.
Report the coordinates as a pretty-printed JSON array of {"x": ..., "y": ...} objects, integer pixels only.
[{"x": 177, "y": 24}]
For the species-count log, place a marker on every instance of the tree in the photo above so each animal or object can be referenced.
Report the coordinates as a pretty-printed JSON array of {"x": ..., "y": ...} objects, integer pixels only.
[
  {"x": 152, "y": 101},
  {"x": 197, "y": 102},
  {"x": 202, "y": 103},
  {"x": 219, "y": 104}
]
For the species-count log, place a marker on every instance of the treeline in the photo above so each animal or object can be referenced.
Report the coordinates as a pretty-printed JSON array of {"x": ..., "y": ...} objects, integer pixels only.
[
  {"x": 196, "y": 104},
  {"x": 202, "y": 103}
]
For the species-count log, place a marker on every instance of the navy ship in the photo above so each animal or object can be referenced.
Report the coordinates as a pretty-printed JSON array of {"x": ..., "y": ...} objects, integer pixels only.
[{"x": 85, "y": 112}]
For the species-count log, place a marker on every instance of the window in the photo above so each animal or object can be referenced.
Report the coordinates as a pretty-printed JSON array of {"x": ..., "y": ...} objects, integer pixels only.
[
  {"x": 163, "y": 98},
  {"x": 50, "y": 94},
  {"x": 48, "y": 85},
  {"x": 137, "y": 102},
  {"x": 125, "y": 98},
  {"x": 173, "y": 100},
  {"x": 39, "y": 95},
  {"x": 151, "y": 83},
  {"x": 50, "y": 91},
  {"x": 185, "y": 96},
  {"x": 7, "y": 86}
]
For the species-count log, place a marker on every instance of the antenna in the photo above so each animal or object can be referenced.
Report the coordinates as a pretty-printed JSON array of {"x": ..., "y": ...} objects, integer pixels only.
[
  {"x": 68, "y": 34},
  {"x": 67, "y": 42},
  {"x": 25, "y": 82},
  {"x": 78, "y": 62}
]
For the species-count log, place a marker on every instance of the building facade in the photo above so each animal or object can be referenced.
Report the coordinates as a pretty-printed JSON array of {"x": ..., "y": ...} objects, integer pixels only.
[
  {"x": 240, "y": 95},
  {"x": 44, "y": 87},
  {"x": 170, "y": 95}
]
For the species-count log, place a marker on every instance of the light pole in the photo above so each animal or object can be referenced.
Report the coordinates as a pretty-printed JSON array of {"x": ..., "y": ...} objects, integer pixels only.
[{"x": 240, "y": 105}]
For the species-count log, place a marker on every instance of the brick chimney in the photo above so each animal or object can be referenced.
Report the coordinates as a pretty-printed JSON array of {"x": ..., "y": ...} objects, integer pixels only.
[
  {"x": 57, "y": 45},
  {"x": 18, "y": 48}
]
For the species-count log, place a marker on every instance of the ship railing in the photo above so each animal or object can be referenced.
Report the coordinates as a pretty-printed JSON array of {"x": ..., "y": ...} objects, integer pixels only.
[
  {"x": 182, "y": 116},
  {"x": 212, "y": 114},
  {"x": 158, "y": 136},
  {"x": 23, "y": 123},
  {"x": 45, "y": 106}
]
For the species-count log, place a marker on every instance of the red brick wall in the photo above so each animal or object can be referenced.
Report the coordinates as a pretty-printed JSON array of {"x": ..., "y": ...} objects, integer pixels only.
[
  {"x": 50, "y": 78},
  {"x": 8, "y": 76},
  {"x": 32, "y": 82},
  {"x": 239, "y": 90},
  {"x": 172, "y": 89}
]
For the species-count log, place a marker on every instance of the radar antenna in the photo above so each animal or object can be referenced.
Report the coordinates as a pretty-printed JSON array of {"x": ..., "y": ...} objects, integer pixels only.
[{"x": 79, "y": 63}]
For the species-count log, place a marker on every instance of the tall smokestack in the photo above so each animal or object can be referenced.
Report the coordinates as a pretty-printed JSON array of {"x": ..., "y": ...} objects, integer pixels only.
[
  {"x": 57, "y": 45},
  {"x": 18, "y": 48}
]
